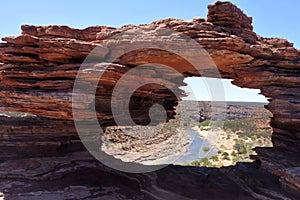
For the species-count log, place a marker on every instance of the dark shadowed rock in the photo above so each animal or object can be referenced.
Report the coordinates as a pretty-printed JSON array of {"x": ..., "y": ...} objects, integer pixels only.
[{"x": 42, "y": 157}]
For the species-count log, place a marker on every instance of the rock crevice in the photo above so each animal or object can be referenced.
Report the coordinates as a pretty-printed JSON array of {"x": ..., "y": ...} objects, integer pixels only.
[{"x": 39, "y": 67}]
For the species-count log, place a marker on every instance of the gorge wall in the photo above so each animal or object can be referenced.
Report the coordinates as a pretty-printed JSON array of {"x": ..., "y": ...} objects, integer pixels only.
[{"x": 37, "y": 74}]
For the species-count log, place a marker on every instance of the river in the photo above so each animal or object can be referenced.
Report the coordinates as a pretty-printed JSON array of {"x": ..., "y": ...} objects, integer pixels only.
[{"x": 195, "y": 151}]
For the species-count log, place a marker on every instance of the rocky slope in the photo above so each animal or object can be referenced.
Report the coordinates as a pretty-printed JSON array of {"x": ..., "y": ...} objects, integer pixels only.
[{"x": 37, "y": 74}]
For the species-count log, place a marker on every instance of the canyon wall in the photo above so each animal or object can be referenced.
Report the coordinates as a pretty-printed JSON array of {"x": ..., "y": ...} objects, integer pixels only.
[{"x": 37, "y": 73}]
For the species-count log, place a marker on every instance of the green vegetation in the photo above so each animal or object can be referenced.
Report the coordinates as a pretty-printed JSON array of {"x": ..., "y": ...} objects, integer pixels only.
[
  {"x": 205, "y": 123},
  {"x": 206, "y": 149},
  {"x": 233, "y": 154},
  {"x": 217, "y": 124},
  {"x": 247, "y": 126},
  {"x": 204, "y": 162},
  {"x": 242, "y": 147},
  {"x": 214, "y": 158},
  {"x": 244, "y": 135},
  {"x": 225, "y": 156}
]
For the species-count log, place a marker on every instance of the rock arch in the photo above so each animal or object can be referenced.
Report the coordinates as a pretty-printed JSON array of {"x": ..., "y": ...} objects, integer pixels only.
[{"x": 37, "y": 72}]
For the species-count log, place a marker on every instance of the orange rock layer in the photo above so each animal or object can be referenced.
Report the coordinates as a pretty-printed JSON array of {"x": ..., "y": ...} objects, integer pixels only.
[{"x": 39, "y": 67}]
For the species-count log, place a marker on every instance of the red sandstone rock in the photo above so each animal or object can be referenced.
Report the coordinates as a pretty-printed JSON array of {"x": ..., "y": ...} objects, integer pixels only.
[
  {"x": 38, "y": 69},
  {"x": 55, "y": 31},
  {"x": 225, "y": 14}
]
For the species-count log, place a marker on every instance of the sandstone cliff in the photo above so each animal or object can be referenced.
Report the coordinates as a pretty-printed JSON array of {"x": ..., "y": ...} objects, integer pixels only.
[{"x": 37, "y": 74}]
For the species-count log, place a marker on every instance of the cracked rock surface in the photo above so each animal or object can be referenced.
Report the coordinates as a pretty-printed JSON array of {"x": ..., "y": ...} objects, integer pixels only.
[{"x": 42, "y": 156}]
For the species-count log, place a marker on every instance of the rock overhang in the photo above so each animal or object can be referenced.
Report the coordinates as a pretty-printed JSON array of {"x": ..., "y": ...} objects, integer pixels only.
[{"x": 38, "y": 69}]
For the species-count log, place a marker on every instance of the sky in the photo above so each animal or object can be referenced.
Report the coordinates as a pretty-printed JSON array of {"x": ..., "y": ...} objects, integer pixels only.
[{"x": 271, "y": 18}]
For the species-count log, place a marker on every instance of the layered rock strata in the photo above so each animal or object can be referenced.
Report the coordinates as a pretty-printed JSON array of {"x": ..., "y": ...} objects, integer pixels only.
[{"x": 37, "y": 74}]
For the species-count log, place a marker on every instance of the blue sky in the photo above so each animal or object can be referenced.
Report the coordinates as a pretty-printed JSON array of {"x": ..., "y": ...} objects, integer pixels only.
[{"x": 270, "y": 18}]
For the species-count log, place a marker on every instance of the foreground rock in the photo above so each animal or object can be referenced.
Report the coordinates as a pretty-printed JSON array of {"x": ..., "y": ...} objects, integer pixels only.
[{"x": 37, "y": 73}]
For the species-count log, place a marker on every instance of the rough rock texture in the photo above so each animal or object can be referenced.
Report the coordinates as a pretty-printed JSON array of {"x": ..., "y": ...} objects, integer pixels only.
[{"x": 37, "y": 72}]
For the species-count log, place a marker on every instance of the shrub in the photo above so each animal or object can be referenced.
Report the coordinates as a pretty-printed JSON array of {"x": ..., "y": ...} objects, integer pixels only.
[
  {"x": 205, "y": 162},
  {"x": 206, "y": 149},
  {"x": 233, "y": 154},
  {"x": 242, "y": 150},
  {"x": 225, "y": 154},
  {"x": 214, "y": 158},
  {"x": 205, "y": 123},
  {"x": 217, "y": 124}
]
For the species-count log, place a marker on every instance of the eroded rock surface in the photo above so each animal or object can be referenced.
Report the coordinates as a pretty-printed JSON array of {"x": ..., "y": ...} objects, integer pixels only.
[{"x": 37, "y": 73}]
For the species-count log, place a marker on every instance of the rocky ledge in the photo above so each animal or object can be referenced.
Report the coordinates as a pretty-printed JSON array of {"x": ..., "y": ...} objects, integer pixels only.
[{"x": 37, "y": 74}]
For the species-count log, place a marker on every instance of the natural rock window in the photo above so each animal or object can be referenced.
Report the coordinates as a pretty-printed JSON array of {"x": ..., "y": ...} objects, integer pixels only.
[
  {"x": 43, "y": 157},
  {"x": 244, "y": 124}
]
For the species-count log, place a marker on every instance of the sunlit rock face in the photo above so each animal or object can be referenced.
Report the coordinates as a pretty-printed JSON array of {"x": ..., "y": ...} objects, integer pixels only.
[{"x": 37, "y": 74}]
